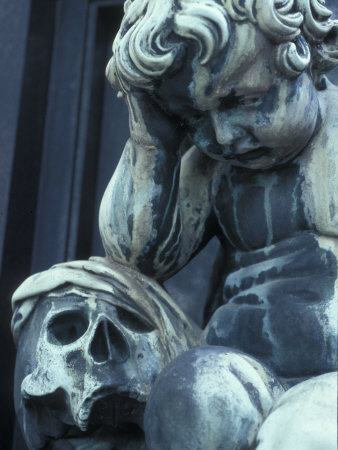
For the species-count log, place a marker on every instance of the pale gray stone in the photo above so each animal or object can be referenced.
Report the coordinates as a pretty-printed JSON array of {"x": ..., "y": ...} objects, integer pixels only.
[
  {"x": 210, "y": 398},
  {"x": 233, "y": 135},
  {"x": 304, "y": 418},
  {"x": 93, "y": 336}
]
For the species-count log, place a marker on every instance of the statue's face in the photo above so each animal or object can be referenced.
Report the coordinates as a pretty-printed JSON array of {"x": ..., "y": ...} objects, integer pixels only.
[
  {"x": 240, "y": 109},
  {"x": 84, "y": 372}
]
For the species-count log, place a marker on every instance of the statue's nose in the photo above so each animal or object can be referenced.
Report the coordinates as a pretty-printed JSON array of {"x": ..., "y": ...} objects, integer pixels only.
[
  {"x": 108, "y": 343},
  {"x": 226, "y": 131}
]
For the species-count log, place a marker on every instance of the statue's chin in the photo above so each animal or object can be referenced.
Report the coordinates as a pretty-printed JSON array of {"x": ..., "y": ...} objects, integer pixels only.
[{"x": 259, "y": 159}]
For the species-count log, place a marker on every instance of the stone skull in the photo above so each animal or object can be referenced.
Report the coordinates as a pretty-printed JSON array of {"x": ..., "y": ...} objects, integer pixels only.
[
  {"x": 85, "y": 366},
  {"x": 95, "y": 360}
]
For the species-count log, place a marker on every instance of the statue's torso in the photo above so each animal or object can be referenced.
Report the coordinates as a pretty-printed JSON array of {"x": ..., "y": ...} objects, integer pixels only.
[
  {"x": 259, "y": 208},
  {"x": 280, "y": 291}
]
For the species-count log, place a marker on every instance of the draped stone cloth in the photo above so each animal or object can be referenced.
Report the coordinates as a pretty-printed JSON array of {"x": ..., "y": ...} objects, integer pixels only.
[{"x": 113, "y": 283}]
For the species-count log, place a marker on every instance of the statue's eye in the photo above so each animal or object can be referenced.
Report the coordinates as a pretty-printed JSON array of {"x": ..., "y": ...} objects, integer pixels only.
[
  {"x": 249, "y": 101},
  {"x": 134, "y": 322},
  {"x": 67, "y": 327},
  {"x": 229, "y": 102},
  {"x": 232, "y": 101}
]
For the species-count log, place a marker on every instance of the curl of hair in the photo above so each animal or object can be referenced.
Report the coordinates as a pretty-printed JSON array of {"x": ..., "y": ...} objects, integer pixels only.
[
  {"x": 322, "y": 34},
  {"x": 276, "y": 19},
  {"x": 206, "y": 24},
  {"x": 292, "y": 58},
  {"x": 240, "y": 11},
  {"x": 316, "y": 23},
  {"x": 142, "y": 50},
  {"x": 154, "y": 32}
]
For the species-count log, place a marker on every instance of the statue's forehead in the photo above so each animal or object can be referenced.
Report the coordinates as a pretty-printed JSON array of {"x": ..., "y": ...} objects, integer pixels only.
[{"x": 246, "y": 64}]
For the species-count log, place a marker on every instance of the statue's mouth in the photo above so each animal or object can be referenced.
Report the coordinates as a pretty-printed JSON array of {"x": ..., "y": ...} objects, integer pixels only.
[
  {"x": 242, "y": 155},
  {"x": 253, "y": 154}
]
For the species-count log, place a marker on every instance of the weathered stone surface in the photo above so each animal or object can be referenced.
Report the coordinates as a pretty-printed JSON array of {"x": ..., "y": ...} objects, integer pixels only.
[
  {"x": 93, "y": 337},
  {"x": 304, "y": 418},
  {"x": 279, "y": 296},
  {"x": 209, "y": 398},
  {"x": 233, "y": 135},
  {"x": 233, "y": 131}
]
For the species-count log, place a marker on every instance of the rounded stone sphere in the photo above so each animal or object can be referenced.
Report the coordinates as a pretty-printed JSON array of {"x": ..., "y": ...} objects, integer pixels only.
[
  {"x": 304, "y": 418},
  {"x": 209, "y": 398}
]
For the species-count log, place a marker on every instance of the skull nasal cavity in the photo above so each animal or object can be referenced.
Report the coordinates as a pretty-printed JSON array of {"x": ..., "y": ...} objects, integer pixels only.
[{"x": 108, "y": 343}]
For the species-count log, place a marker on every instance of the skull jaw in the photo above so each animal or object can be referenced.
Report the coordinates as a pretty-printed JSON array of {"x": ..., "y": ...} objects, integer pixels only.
[
  {"x": 126, "y": 436},
  {"x": 52, "y": 409},
  {"x": 114, "y": 422}
]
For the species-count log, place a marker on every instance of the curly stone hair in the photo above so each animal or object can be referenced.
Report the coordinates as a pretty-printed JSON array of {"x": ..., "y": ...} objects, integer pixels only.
[{"x": 154, "y": 34}]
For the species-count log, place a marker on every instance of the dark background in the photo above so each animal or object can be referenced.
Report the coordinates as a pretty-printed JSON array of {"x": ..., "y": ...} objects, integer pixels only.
[{"x": 62, "y": 130}]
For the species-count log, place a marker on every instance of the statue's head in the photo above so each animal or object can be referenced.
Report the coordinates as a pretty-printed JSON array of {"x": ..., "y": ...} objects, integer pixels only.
[
  {"x": 243, "y": 75},
  {"x": 92, "y": 337}
]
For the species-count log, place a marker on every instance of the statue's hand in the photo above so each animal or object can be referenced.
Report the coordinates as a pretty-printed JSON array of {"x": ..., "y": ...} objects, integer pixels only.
[{"x": 150, "y": 125}]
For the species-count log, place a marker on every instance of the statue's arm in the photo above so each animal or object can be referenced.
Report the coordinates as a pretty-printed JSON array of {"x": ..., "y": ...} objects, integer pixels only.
[{"x": 156, "y": 206}]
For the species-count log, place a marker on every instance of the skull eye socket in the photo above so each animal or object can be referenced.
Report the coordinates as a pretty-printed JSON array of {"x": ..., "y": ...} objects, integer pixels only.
[
  {"x": 67, "y": 328},
  {"x": 134, "y": 322}
]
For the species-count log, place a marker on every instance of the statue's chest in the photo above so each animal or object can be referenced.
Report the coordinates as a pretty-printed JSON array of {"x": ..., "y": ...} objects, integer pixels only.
[{"x": 256, "y": 209}]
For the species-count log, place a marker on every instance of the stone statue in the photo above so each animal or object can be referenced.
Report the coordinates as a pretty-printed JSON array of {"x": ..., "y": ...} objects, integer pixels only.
[
  {"x": 92, "y": 337},
  {"x": 233, "y": 134}
]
